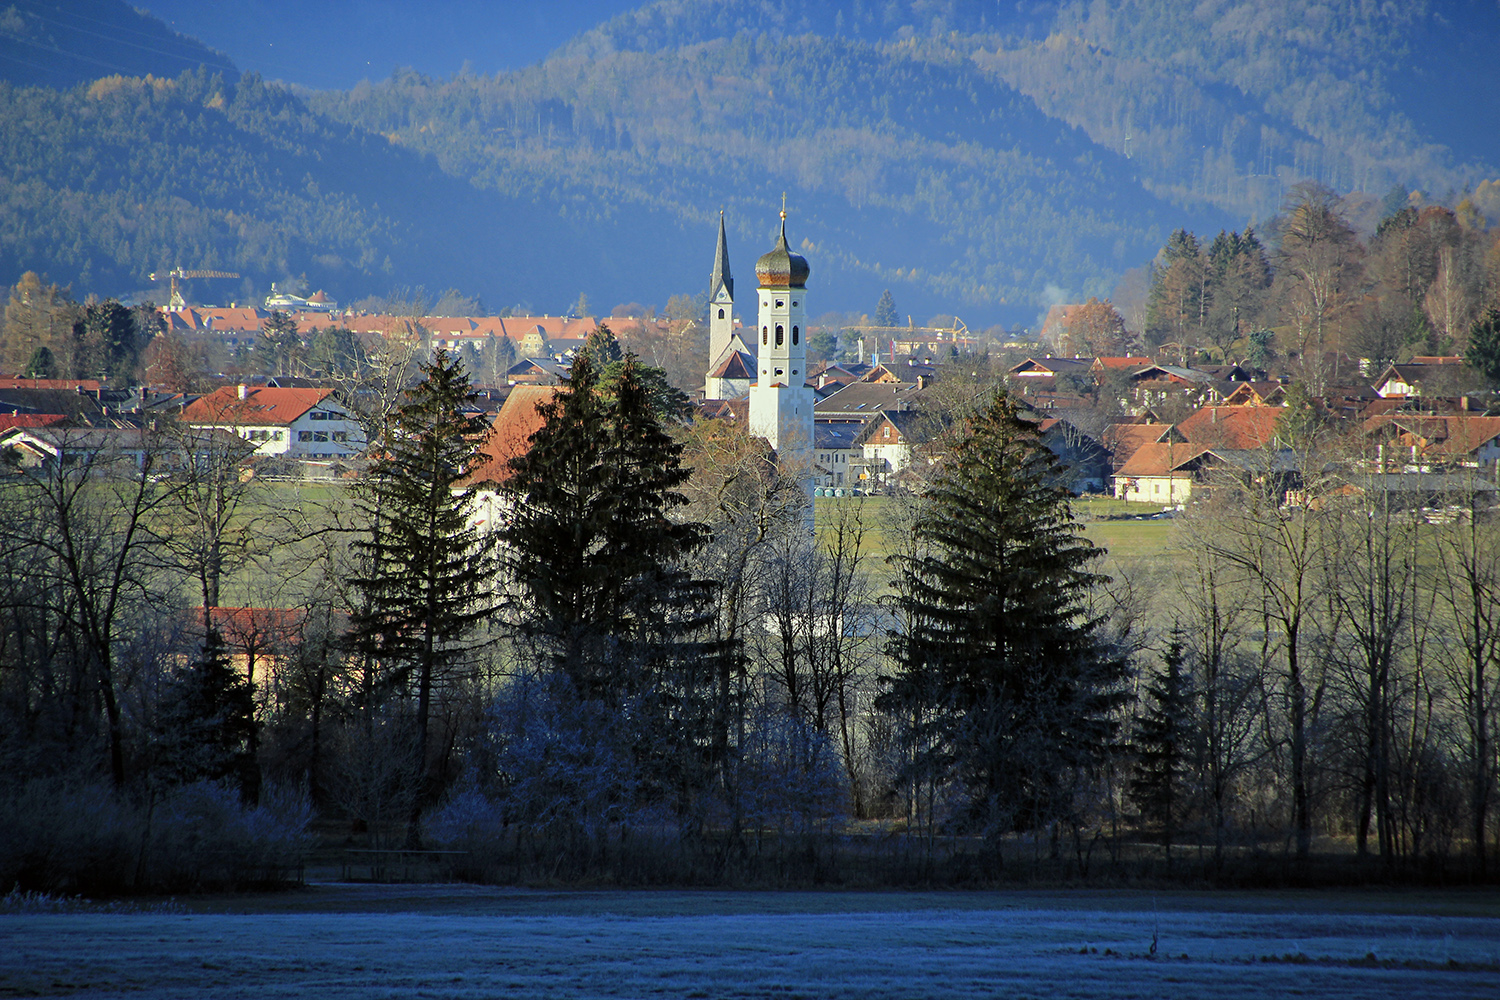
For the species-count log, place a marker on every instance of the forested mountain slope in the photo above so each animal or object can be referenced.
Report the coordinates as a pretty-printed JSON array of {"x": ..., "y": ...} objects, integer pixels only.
[
  {"x": 974, "y": 157},
  {"x": 56, "y": 43},
  {"x": 899, "y": 168}
]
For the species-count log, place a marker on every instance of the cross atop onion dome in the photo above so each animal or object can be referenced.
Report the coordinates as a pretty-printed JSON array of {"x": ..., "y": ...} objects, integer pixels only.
[{"x": 781, "y": 267}]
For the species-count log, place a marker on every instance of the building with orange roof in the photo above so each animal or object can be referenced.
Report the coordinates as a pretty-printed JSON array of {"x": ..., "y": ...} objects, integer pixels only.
[
  {"x": 1160, "y": 472},
  {"x": 1422, "y": 442},
  {"x": 510, "y": 434},
  {"x": 1122, "y": 440},
  {"x": 299, "y": 423},
  {"x": 1235, "y": 427}
]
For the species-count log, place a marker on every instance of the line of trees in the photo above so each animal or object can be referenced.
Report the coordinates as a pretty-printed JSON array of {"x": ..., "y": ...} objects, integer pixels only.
[
  {"x": 1414, "y": 287},
  {"x": 629, "y": 658}
]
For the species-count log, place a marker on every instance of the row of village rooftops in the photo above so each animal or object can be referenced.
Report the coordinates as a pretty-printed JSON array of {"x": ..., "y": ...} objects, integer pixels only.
[
  {"x": 533, "y": 336},
  {"x": 867, "y": 418}
]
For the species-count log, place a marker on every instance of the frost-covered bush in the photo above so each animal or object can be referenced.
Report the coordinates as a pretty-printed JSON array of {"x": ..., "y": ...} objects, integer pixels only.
[
  {"x": 66, "y": 836},
  {"x": 473, "y": 822},
  {"x": 205, "y": 837},
  {"x": 562, "y": 763},
  {"x": 791, "y": 779},
  {"x": 87, "y": 838}
]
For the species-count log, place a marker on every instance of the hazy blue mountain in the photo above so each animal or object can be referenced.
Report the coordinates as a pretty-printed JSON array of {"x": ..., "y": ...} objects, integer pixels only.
[
  {"x": 974, "y": 157},
  {"x": 56, "y": 43}
]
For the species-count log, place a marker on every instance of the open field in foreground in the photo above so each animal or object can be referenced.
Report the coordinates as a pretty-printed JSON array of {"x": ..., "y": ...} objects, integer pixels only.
[{"x": 333, "y": 941}]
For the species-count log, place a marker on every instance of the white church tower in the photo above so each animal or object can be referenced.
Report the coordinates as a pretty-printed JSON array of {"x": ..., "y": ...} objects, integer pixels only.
[{"x": 781, "y": 404}]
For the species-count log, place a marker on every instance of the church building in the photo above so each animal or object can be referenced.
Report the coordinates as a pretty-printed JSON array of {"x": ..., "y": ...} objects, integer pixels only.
[{"x": 781, "y": 403}]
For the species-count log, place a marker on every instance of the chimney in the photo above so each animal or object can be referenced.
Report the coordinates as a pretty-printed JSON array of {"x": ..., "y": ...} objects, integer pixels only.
[{"x": 244, "y": 390}]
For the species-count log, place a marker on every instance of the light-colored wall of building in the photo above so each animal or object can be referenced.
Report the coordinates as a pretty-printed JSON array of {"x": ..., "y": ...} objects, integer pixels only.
[{"x": 1154, "y": 489}]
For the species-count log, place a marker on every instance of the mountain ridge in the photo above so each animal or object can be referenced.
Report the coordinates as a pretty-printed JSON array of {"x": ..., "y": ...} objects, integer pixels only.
[{"x": 975, "y": 158}]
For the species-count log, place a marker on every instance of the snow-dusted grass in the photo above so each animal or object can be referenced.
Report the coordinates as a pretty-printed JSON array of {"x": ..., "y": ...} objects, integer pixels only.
[{"x": 463, "y": 942}]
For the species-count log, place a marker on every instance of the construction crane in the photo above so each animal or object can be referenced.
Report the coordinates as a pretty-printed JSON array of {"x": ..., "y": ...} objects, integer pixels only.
[{"x": 175, "y": 300}]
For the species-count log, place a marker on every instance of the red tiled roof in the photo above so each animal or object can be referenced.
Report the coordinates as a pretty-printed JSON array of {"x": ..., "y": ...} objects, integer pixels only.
[
  {"x": 1124, "y": 440},
  {"x": 1445, "y": 434},
  {"x": 736, "y": 365},
  {"x": 1160, "y": 458},
  {"x": 510, "y": 433},
  {"x": 261, "y": 405},
  {"x": 1125, "y": 362},
  {"x": 10, "y": 421},
  {"x": 732, "y": 410},
  {"x": 67, "y": 384},
  {"x": 1235, "y": 427}
]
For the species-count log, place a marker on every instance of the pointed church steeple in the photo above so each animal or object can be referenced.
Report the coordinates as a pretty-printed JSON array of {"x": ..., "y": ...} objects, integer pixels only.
[
  {"x": 720, "y": 304},
  {"x": 721, "y": 277}
]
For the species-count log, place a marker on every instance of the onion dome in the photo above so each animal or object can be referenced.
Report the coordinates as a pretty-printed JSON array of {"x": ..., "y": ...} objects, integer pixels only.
[{"x": 781, "y": 267}]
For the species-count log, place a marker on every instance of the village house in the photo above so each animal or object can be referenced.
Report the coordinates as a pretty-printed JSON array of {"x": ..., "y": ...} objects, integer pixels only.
[
  {"x": 115, "y": 451},
  {"x": 838, "y": 458},
  {"x": 885, "y": 445},
  {"x": 1415, "y": 442},
  {"x": 301, "y": 423},
  {"x": 1432, "y": 376}
]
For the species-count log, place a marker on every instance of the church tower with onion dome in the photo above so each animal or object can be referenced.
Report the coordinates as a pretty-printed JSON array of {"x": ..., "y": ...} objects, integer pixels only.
[{"x": 781, "y": 404}]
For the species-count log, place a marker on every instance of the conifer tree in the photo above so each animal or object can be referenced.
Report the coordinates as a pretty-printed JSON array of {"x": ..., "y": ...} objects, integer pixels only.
[
  {"x": 428, "y": 568},
  {"x": 1162, "y": 742},
  {"x": 1001, "y": 671},
  {"x": 608, "y": 361},
  {"x": 600, "y": 565},
  {"x": 1483, "y": 354},
  {"x": 206, "y": 729},
  {"x": 592, "y": 545}
]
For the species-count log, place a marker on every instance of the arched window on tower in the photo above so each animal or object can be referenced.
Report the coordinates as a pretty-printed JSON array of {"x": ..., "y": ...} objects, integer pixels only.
[
  {"x": 721, "y": 314},
  {"x": 765, "y": 336},
  {"x": 794, "y": 335},
  {"x": 780, "y": 335}
]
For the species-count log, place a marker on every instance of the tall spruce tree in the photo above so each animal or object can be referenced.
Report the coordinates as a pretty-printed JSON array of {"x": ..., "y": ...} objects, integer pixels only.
[
  {"x": 1162, "y": 743},
  {"x": 603, "y": 585},
  {"x": 429, "y": 570},
  {"x": 1001, "y": 674},
  {"x": 206, "y": 728}
]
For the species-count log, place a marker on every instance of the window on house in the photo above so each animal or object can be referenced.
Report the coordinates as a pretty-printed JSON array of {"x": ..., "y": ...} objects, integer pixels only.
[
  {"x": 765, "y": 336},
  {"x": 278, "y": 435},
  {"x": 304, "y": 435},
  {"x": 317, "y": 415},
  {"x": 780, "y": 335},
  {"x": 780, "y": 372},
  {"x": 721, "y": 314},
  {"x": 794, "y": 334},
  {"x": 320, "y": 436},
  {"x": 887, "y": 432},
  {"x": 779, "y": 303},
  {"x": 341, "y": 436}
]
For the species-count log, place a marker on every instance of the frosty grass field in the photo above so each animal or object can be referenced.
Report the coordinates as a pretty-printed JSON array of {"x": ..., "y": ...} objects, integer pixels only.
[{"x": 332, "y": 941}]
